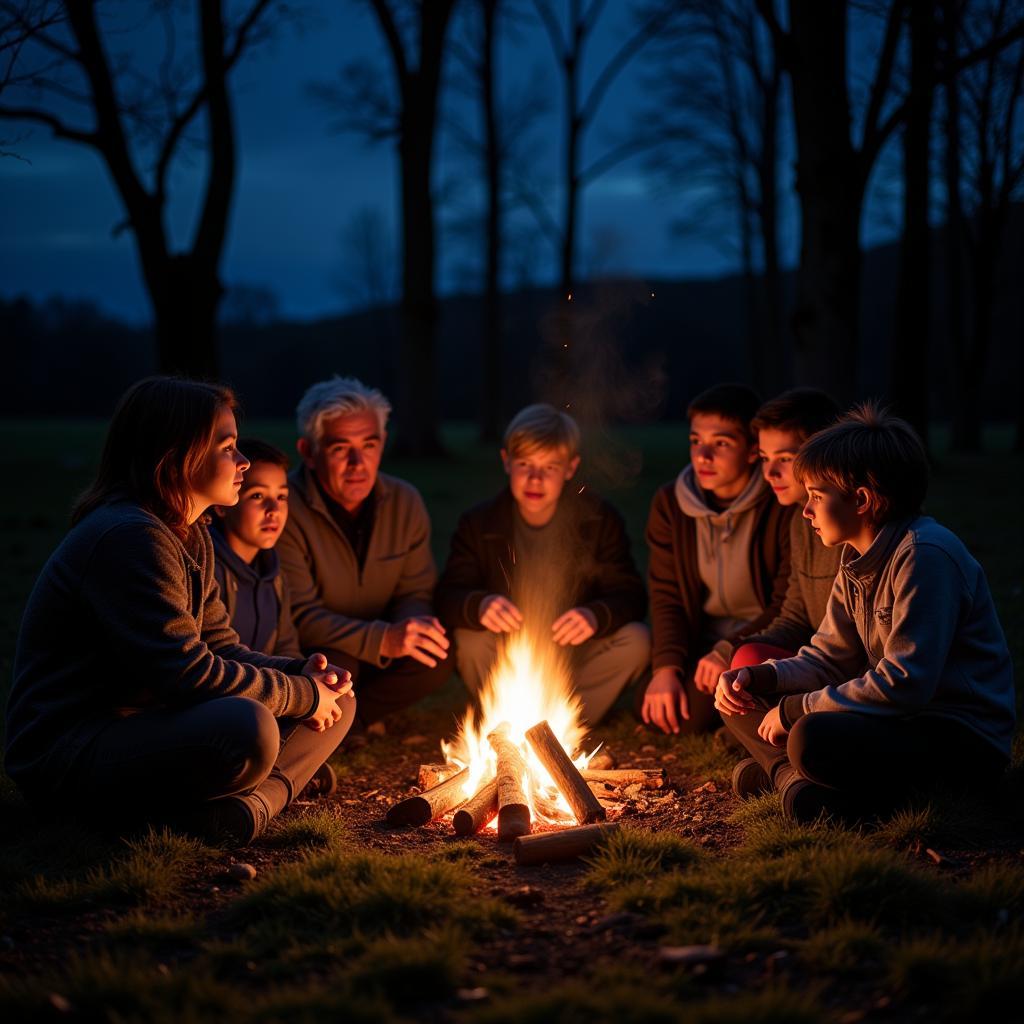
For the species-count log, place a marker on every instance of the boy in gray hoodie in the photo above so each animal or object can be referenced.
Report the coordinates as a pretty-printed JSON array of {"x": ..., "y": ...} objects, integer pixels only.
[
  {"x": 908, "y": 681},
  {"x": 719, "y": 562}
]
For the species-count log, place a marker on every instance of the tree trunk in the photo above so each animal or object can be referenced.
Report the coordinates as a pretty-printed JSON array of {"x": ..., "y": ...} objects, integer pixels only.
[
  {"x": 825, "y": 320},
  {"x": 571, "y": 184},
  {"x": 752, "y": 326},
  {"x": 970, "y": 379},
  {"x": 910, "y": 349},
  {"x": 185, "y": 303},
  {"x": 490, "y": 405},
  {"x": 776, "y": 370},
  {"x": 417, "y": 405},
  {"x": 955, "y": 234}
]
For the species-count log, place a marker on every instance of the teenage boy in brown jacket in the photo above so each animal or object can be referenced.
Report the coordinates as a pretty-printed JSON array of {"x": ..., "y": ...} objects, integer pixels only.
[
  {"x": 719, "y": 562},
  {"x": 356, "y": 553},
  {"x": 553, "y": 558}
]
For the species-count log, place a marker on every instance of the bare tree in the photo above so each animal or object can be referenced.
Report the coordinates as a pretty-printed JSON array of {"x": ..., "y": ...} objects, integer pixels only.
[
  {"x": 833, "y": 170},
  {"x": 569, "y": 36},
  {"x": 367, "y": 275},
  {"x": 910, "y": 347},
  {"x": 714, "y": 120},
  {"x": 407, "y": 114},
  {"x": 500, "y": 148},
  {"x": 988, "y": 177},
  {"x": 60, "y": 73}
]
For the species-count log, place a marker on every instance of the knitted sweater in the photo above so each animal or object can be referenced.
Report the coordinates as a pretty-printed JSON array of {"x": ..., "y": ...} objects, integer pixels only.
[
  {"x": 124, "y": 616},
  {"x": 812, "y": 575}
]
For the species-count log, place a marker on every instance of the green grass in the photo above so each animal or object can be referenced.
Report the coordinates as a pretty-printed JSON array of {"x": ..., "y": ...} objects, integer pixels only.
[{"x": 333, "y": 931}]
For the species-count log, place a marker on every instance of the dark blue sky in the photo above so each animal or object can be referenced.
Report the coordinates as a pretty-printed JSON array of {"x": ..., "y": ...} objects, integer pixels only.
[{"x": 298, "y": 186}]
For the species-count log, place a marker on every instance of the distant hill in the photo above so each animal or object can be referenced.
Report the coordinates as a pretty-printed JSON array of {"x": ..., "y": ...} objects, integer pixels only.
[{"x": 651, "y": 354}]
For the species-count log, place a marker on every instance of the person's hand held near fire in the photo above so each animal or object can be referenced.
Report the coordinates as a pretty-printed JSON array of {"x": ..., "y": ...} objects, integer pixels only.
[
  {"x": 499, "y": 614},
  {"x": 665, "y": 701},
  {"x": 771, "y": 729},
  {"x": 731, "y": 695},
  {"x": 421, "y": 637},
  {"x": 332, "y": 683},
  {"x": 575, "y": 627},
  {"x": 709, "y": 668}
]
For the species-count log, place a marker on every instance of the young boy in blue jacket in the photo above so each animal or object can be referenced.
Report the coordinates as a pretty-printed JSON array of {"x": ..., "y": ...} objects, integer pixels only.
[
  {"x": 908, "y": 681},
  {"x": 248, "y": 571}
]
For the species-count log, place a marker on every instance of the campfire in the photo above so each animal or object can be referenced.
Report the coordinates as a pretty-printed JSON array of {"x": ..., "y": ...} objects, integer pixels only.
[{"x": 516, "y": 764}]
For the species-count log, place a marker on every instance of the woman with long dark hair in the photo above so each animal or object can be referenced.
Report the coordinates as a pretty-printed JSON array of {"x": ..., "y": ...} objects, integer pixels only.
[{"x": 132, "y": 695}]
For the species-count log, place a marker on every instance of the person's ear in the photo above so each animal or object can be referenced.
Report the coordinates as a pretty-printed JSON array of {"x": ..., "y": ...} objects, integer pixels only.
[
  {"x": 305, "y": 449},
  {"x": 570, "y": 470},
  {"x": 864, "y": 502},
  {"x": 506, "y": 462}
]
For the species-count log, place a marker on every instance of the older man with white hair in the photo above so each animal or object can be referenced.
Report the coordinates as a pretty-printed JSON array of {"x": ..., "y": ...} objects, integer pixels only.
[{"x": 356, "y": 553}]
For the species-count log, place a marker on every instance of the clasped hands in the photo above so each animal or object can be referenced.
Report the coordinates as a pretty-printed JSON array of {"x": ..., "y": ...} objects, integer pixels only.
[
  {"x": 332, "y": 683},
  {"x": 665, "y": 702},
  {"x": 499, "y": 615}
]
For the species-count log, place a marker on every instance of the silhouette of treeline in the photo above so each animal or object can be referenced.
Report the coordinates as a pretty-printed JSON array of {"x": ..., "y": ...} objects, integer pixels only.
[{"x": 68, "y": 358}]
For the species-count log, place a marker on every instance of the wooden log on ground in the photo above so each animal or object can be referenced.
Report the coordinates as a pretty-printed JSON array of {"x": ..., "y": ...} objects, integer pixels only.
[
  {"x": 649, "y": 778},
  {"x": 572, "y": 785},
  {"x": 565, "y": 844},
  {"x": 431, "y": 775},
  {"x": 430, "y": 804},
  {"x": 513, "y": 810},
  {"x": 481, "y": 808}
]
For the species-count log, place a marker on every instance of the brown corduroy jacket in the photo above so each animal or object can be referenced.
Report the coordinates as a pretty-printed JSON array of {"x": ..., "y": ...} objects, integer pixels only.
[{"x": 676, "y": 589}]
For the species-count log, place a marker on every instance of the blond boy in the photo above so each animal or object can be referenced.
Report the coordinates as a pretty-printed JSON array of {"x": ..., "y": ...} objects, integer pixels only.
[{"x": 550, "y": 557}]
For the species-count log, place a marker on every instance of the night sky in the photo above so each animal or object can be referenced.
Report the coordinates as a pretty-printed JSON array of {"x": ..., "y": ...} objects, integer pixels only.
[{"x": 299, "y": 184}]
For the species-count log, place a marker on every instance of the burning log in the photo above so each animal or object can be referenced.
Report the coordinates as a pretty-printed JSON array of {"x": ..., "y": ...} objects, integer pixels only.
[
  {"x": 552, "y": 755},
  {"x": 649, "y": 778},
  {"x": 480, "y": 809},
  {"x": 431, "y": 775},
  {"x": 513, "y": 810},
  {"x": 431, "y": 804},
  {"x": 565, "y": 844}
]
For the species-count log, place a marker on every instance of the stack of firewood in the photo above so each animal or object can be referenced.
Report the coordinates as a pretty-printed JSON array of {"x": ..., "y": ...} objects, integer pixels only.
[{"x": 588, "y": 794}]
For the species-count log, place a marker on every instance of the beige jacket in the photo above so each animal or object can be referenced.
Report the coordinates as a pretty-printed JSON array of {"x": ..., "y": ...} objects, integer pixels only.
[{"x": 336, "y": 606}]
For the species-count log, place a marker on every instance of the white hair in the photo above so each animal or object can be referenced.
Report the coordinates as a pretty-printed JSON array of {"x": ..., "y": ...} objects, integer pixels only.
[{"x": 339, "y": 396}]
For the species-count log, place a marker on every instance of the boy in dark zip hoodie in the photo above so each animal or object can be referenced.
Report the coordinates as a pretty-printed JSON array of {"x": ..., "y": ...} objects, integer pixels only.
[
  {"x": 719, "y": 561},
  {"x": 908, "y": 681},
  {"x": 247, "y": 568}
]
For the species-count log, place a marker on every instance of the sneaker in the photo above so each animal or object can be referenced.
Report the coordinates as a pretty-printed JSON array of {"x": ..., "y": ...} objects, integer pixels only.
[
  {"x": 323, "y": 783},
  {"x": 805, "y": 802},
  {"x": 236, "y": 820},
  {"x": 749, "y": 779}
]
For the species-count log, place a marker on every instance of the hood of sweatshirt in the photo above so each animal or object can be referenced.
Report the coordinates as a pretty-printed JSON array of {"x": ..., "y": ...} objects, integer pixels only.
[
  {"x": 263, "y": 568},
  {"x": 724, "y": 538}
]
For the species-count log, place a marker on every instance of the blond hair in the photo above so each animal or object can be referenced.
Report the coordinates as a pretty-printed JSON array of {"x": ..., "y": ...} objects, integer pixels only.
[{"x": 541, "y": 426}]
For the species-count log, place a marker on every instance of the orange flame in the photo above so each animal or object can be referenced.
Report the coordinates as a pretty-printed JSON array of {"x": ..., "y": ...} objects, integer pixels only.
[{"x": 527, "y": 685}]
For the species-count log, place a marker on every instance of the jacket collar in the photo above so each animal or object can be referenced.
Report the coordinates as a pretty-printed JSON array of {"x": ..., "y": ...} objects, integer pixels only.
[{"x": 867, "y": 566}]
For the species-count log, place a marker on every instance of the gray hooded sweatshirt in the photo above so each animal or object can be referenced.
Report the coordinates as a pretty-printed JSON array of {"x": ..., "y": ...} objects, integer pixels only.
[
  {"x": 911, "y": 628},
  {"x": 724, "y": 537}
]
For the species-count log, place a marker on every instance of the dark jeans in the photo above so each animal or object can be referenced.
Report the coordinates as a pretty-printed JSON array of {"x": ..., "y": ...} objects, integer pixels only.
[
  {"x": 158, "y": 765},
  {"x": 877, "y": 760},
  {"x": 383, "y": 691}
]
